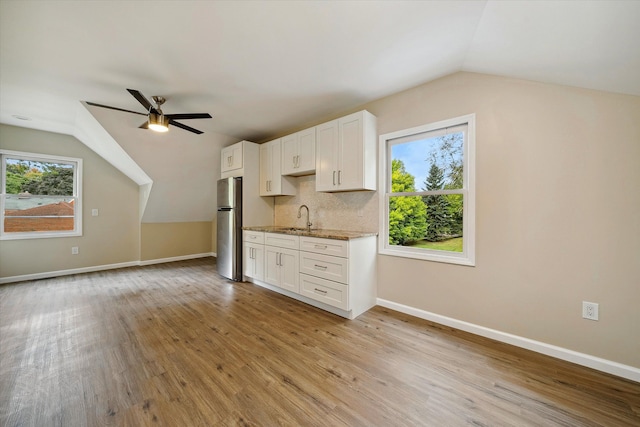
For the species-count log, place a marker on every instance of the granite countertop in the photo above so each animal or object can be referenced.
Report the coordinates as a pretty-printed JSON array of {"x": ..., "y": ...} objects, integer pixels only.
[{"x": 322, "y": 233}]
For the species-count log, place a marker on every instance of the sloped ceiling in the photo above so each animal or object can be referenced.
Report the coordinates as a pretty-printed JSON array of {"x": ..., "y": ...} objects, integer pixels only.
[{"x": 265, "y": 67}]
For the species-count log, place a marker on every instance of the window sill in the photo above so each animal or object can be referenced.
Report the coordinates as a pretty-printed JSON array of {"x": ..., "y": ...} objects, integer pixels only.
[
  {"x": 427, "y": 255},
  {"x": 38, "y": 235}
]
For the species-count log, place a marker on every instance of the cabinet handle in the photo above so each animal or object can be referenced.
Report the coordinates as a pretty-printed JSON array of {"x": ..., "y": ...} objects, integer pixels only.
[
  {"x": 322, "y": 291},
  {"x": 253, "y": 237},
  {"x": 320, "y": 246},
  {"x": 297, "y": 161},
  {"x": 339, "y": 177},
  {"x": 334, "y": 177},
  {"x": 323, "y": 267}
]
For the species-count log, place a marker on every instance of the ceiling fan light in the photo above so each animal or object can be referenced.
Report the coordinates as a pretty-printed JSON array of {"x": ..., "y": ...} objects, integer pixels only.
[{"x": 158, "y": 122}]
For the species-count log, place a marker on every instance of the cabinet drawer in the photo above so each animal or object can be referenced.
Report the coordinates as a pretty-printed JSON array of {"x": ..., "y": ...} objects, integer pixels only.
[
  {"x": 326, "y": 291},
  {"x": 324, "y": 246},
  {"x": 253, "y": 236},
  {"x": 282, "y": 240},
  {"x": 325, "y": 266}
]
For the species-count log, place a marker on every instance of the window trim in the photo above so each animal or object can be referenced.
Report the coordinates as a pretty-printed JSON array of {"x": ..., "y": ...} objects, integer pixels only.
[
  {"x": 467, "y": 257},
  {"x": 77, "y": 194}
]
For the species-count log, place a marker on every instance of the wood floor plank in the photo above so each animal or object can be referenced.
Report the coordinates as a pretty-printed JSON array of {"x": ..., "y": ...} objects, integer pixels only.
[{"x": 176, "y": 345}]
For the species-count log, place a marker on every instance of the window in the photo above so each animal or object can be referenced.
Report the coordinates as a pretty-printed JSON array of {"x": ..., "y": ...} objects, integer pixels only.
[
  {"x": 428, "y": 205},
  {"x": 41, "y": 196}
]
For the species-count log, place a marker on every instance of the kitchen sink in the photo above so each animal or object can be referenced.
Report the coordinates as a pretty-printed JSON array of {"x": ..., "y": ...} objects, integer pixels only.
[{"x": 300, "y": 229}]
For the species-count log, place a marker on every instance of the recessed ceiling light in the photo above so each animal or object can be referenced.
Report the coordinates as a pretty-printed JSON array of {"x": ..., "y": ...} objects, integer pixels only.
[{"x": 19, "y": 117}]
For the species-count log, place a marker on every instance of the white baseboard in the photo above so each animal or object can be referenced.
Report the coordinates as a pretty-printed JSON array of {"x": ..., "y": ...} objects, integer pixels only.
[
  {"x": 176, "y": 258},
  {"x": 49, "y": 274},
  {"x": 604, "y": 365}
]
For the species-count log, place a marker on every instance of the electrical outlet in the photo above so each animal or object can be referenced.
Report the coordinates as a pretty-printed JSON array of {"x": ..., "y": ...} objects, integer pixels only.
[
  {"x": 74, "y": 250},
  {"x": 94, "y": 212},
  {"x": 589, "y": 310}
]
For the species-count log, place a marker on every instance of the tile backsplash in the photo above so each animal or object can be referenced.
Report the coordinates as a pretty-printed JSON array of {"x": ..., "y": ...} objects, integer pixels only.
[{"x": 352, "y": 211}]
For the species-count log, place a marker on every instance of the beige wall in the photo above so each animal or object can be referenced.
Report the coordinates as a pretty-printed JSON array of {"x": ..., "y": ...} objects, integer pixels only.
[
  {"x": 175, "y": 239},
  {"x": 558, "y": 213},
  {"x": 110, "y": 238},
  {"x": 557, "y": 218}
]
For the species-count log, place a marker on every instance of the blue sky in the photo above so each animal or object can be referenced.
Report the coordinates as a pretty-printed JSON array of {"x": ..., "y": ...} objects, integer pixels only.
[{"x": 416, "y": 156}]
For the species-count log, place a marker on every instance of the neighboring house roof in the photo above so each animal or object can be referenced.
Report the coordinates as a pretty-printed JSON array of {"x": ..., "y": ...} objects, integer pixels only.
[{"x": 51, "y": 209}]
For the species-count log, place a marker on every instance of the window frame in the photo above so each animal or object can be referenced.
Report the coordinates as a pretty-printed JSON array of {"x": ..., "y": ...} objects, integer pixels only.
[
  {"x": 467, "y": 256},
  {"x": 77, "y": 194}
]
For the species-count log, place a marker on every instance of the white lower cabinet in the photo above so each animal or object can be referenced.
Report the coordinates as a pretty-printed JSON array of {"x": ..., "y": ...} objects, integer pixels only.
[
  {"x": 332, "y": 274},
  {"x": 339, "y": 273},
  {"x": 325, "y": 266},
  {"x": 281, "y": 261},
  {"x": 281, "y": 267},
  {"x": 326, "y": 291},
  {"x": 253, "y": 260}
]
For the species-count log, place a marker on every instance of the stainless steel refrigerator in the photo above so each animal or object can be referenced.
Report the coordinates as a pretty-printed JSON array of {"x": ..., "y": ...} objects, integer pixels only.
[{"x": 229, "y": 247}]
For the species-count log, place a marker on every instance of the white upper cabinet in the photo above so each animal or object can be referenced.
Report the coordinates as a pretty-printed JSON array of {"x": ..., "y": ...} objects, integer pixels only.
[
  {"x": 272, "y": 183},
  {"x": 231, "y": 159},
  {"x": 299, "y": 153},
  {"x": 346, "y": 153}
]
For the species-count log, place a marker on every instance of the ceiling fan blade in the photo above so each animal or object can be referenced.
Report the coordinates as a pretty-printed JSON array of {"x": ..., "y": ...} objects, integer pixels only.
[
  {"x": 185, "y": 127},
  {"x": 114, "y": 108},
  {"x": 185, "y": 116},
  {"x": 142, "y": 100}
]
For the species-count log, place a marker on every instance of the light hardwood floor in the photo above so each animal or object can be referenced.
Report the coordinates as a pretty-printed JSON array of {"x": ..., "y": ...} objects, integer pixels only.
[{"x": 176, "y": 345}]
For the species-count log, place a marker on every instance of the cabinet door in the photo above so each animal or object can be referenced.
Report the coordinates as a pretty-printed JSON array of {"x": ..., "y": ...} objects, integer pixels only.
[
  {"x": 272, "y": 265},
  {"x": 350, "y": 153},
  {"x": 266, "y": 169},
  {"x": 289, "y": 270},
  {"x": 281, "y": 268},
  {"x": 326, "y": 156},
  {"x": 272, "y": 183},
  {"x": 231, "y": 157},
  {"x": 254, "y": 261},
  {"x": 306, "y": 162},
  {"x": 290, "y": 154},
  {"x": 247, "y": 261}
]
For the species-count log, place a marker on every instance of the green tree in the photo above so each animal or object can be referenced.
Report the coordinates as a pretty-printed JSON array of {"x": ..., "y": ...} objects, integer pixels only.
[
  {"x": 14, "y": 182},
  {"x": 407, "y": 214},
  {"x": 437, "y": 206},
  {"x": 449, "y": 157},
  {"x": 55, "y": 180},
  {"x": 16, "y": 177}
]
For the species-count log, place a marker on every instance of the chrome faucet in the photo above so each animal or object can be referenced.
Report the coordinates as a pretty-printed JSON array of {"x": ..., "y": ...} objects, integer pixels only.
[{"x": 300, "y": 216}]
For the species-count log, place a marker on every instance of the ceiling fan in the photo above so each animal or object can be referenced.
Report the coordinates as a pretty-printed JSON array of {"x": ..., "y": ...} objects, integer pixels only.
[{"x": 156, "y": 119}]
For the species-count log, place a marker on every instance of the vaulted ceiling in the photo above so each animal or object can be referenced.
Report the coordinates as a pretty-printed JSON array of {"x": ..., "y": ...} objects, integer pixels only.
[{"x": 265, "y": 67}]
